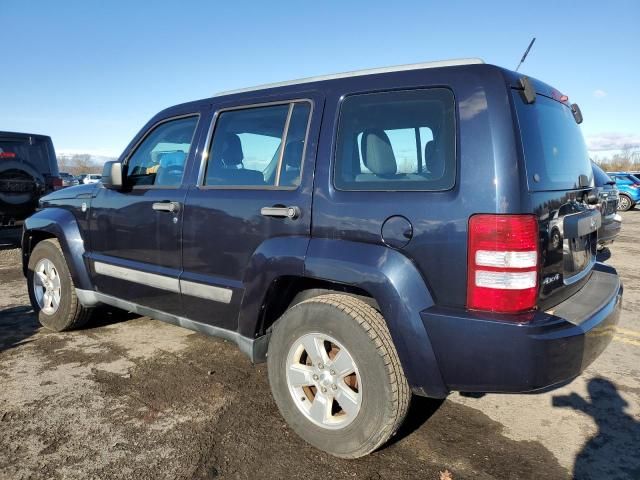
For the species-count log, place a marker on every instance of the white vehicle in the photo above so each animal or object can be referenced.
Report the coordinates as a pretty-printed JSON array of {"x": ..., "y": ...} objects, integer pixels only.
[{"x": 90, "y": 178}]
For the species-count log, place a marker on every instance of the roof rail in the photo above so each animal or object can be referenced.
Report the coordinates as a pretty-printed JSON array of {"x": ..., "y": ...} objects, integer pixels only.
[{"x": 357, "y": 73}]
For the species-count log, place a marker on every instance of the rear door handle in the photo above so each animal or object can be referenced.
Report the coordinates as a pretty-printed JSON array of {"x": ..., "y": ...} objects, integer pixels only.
[
  {"x": 171, "y": 207},
  {"x": 292, "y": 212}
]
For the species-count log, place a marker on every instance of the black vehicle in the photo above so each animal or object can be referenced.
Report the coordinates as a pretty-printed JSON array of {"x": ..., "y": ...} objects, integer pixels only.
[
  {"x": 68, "y": 180},
  {"x": 607, "y": 193},
  {"x": 419, "y": 229},
  {"x": 28, "y": 170}
]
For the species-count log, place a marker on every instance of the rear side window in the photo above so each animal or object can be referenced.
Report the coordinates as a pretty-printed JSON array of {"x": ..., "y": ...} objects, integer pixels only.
[
  {"x": 160, "y": 159},
  {"x": 554, "y": 150},
  {"x": 31, "y": 151},
  {"x": 246, "y": 149},
  {"x": 396, "y": 141}
]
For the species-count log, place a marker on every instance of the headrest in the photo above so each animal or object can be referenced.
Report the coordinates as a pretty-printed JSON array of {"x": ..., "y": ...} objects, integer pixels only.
[
  {"x": 428, "y": 151},
  {"x": 434, "y": 160},
  {"x": 377, "y": 153},
  {"x": 232, "y": 155},
  {"x": 168, "y": 159}
]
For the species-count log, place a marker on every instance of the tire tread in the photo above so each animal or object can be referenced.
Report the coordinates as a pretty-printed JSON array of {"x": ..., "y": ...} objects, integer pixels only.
[
  {"x": 374, "y": 324},
  {"x": 78, "y": 315}
]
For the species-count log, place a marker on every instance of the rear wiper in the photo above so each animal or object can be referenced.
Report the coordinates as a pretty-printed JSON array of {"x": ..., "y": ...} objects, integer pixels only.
[{"x": 528, "y": 93}]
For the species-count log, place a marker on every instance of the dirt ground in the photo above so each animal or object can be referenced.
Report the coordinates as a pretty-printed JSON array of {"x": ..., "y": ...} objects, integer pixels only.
[{"x": 134, "y": 398}]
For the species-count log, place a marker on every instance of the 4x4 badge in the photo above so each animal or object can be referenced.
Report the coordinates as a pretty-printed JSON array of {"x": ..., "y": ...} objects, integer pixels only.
[{"x": 550, "y": 279}]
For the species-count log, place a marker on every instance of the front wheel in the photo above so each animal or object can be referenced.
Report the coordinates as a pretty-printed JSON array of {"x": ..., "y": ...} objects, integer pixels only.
[
  {"x": 51, "y": 289},
  {"x": 335, "y": 375},
  {"x": 624, "y": 203}
]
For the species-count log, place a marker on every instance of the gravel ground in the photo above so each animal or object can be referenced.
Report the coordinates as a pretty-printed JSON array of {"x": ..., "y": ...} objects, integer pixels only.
[{"x": 134, "y": 398}]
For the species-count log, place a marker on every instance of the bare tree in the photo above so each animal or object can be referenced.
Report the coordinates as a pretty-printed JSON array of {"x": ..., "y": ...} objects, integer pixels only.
[
  {"x": 627, "y": 160},
  {"x": 78, "y": 163}
]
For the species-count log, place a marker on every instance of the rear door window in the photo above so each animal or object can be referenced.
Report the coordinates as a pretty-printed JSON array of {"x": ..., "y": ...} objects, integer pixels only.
[
  {"x": 397, "y": 141},
  {"x": 554, "y": 150},
  {"x": 246, "y": 149}
]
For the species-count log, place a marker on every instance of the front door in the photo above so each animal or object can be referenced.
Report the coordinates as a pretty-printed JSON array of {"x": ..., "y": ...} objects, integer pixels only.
[
  {"x": 252, "y": 203},
  {"x": 135, "y": 233}
]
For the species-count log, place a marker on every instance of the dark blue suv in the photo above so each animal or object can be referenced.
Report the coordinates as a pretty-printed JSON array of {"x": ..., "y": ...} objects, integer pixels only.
[{"x": 419, "y": 229}]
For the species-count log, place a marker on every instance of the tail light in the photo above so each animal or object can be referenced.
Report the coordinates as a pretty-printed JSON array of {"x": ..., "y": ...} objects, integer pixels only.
[
  {"x": 55, "y": 183},
  {"x": 503, "y": 263}
]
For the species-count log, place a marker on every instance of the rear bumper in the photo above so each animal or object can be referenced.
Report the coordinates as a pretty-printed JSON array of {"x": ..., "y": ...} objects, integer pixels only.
[{"x": 485, "y": 353}]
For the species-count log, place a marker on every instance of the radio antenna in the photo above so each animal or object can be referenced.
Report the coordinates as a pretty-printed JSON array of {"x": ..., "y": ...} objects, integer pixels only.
[{"x": 526, "y": 53}]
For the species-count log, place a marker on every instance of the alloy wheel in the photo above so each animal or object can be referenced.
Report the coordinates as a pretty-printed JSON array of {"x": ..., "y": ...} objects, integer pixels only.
[
  {"x": 46, "y": 286},
  {"x": 324, "y": 381}
]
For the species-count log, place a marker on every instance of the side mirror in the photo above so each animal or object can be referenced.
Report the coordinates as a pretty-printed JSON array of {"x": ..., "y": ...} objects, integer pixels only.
[{"x": 112, "y": 175}]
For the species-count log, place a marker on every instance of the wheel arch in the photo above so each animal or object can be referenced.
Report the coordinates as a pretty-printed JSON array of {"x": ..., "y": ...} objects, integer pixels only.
[
  {"x": 380, "y": 276},
  {"x": 62, "y": 225}
]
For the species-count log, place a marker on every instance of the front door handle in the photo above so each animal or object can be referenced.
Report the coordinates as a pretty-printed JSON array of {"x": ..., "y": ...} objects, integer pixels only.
[
  {"x": 292, "y": 212},
  {"x": 171, "y": 207}
]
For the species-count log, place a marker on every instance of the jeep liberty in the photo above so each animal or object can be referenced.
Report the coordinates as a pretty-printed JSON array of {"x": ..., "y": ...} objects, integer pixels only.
[{"x": 372, "y": 235}]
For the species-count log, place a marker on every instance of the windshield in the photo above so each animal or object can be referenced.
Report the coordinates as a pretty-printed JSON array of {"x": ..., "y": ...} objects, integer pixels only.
[
  {"x": 31, "y": 150},
  {"x": 554, "y": 150}
]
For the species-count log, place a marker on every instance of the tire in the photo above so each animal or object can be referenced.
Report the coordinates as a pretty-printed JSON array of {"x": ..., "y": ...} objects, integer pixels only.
[
  {"x": 378, "y": 386},
  {"x": 624, "y": 203},
  {"x": 69, "y": 314}
]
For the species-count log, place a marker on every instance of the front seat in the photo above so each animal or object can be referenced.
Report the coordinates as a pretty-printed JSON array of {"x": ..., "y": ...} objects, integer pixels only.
[
  {"x": 227, "y": 167},
  {"x": 170, "y": 168},
  {"x": 378, "y": 157}
]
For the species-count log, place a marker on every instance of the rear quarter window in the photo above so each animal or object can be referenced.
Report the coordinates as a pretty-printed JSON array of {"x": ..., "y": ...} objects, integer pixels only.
[{"x": 396, "y": 141}]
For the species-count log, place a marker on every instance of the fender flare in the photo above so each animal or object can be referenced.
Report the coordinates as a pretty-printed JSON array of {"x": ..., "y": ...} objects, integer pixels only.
[
  {"x": 275, "y": 257},
  {"x": 62, "y": 225},
  {"x": 401, "y": 292}
]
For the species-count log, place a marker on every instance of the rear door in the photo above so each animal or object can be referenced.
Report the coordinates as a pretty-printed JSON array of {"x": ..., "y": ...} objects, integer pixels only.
[
  {"x": 252, "y": 201},
  {"x": 559, "y": 176}
]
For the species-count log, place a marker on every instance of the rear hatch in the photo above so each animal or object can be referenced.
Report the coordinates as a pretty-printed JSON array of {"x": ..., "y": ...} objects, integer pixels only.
[{"x": 559, "y": 178}]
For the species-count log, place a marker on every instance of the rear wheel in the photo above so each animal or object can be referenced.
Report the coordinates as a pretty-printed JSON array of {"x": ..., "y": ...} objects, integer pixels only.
[
  {"x": 624, "y": 203},
  {"x": 335, "y": 375},
  {"x": 51, "y": 289}
]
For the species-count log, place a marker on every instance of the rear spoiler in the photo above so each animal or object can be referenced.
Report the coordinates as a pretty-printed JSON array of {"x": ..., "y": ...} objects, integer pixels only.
[{"x": 529, "y": 96}]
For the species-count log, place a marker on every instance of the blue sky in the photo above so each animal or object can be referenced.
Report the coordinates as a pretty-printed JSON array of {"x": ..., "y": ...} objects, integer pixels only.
[{"x": 90, "y": 74}]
